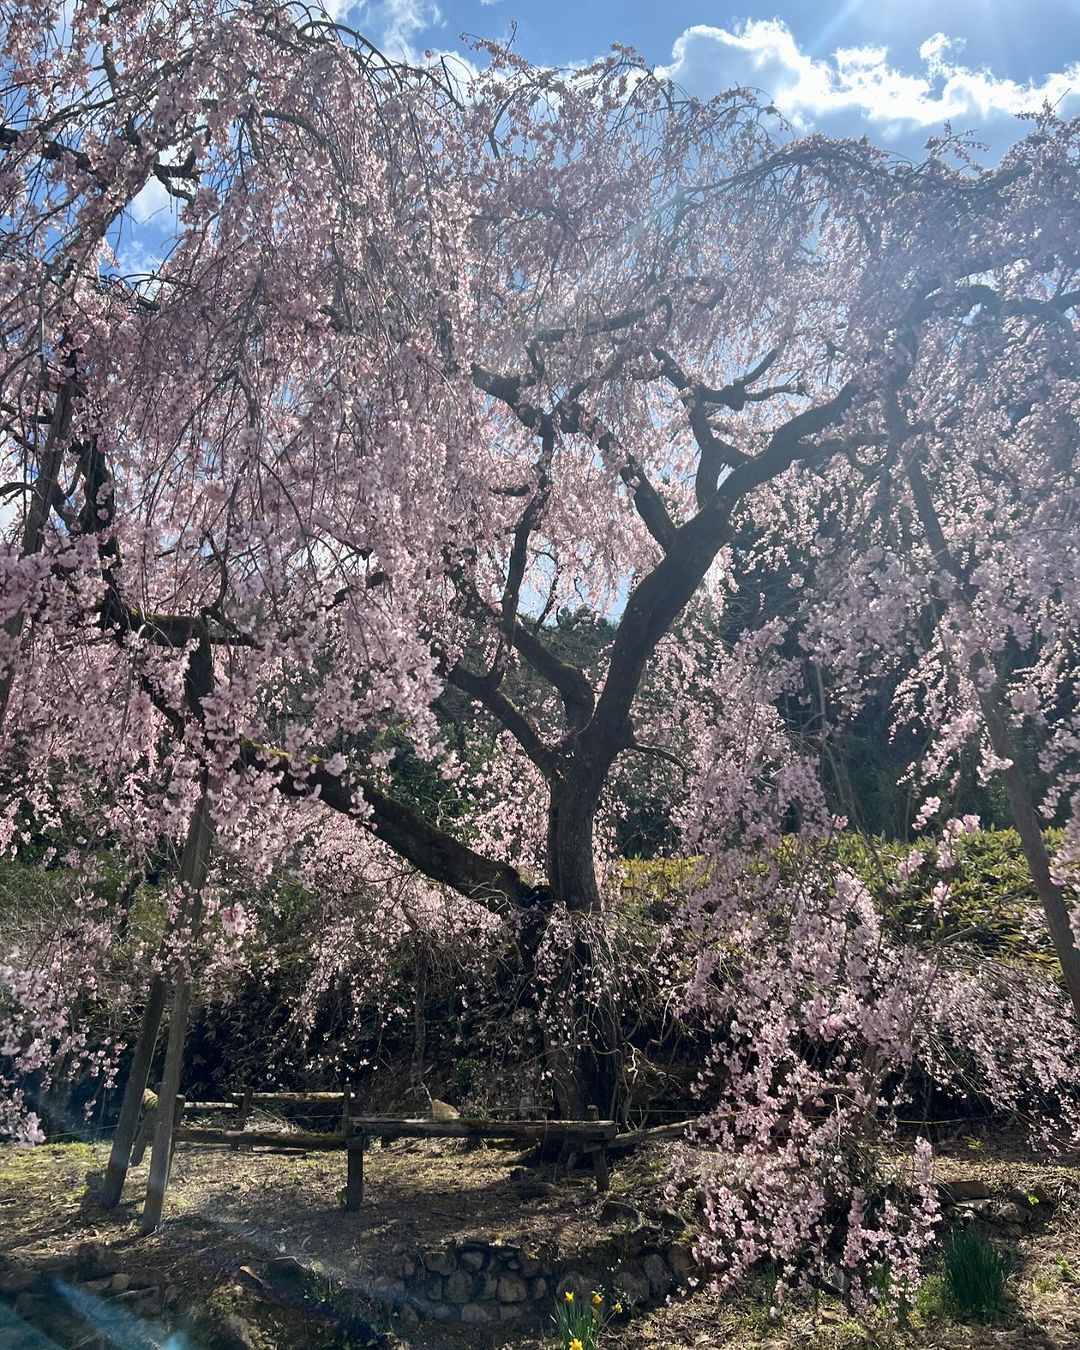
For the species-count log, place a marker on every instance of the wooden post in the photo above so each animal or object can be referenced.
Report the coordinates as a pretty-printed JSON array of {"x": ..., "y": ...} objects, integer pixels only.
[
  {"x": 177, "y": 1114},
  {"x": 354, "y": 1183},
  {"x": 161, "y": 1157},
  {"x": 346, "y": 1110},
  {"x": 245, "y": 1111},
  {"x": 131, "y": 1107},
  {"x": 193, "y": 869},
  {"x": 599, "y": 1157}
]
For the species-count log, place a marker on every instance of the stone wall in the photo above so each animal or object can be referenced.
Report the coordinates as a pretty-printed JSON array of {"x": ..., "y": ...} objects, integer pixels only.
[{"x": 479, "y": 1282}]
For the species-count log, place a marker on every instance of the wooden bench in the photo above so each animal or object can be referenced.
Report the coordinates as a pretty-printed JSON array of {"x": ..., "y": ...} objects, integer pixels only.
[{"x": 592, "y": 1136}]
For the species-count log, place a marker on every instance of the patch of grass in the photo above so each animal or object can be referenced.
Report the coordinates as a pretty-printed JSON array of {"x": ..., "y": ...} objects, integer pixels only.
[
  {"x": 763, "y": 1314},
  {"x": 30, "y": 1165},
  {"x": 1066, "y": 1271},
  {"x": 932, "y": 1299},
  {"x": 320, "y": 1283},
  {"x": 1063, "y": 1272},
  {"x": 971, "y": 1281}
]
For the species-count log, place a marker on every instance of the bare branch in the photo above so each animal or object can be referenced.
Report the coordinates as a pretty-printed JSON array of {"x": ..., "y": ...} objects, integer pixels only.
[{"x": 483, "y": 690}]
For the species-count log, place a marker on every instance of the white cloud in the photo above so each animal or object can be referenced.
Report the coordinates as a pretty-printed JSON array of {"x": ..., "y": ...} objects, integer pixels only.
[
  {"x": 857, "y": 90},
  {"x": 152, "y": 199},
  {"x": 393, "y": 25},
  {"x": 396, "y": 27}
]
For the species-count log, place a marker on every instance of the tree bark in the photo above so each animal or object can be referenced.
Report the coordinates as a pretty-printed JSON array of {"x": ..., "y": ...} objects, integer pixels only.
[
  {"x": 583, "y": 1044},
  {"x": 41, "y": 501}
]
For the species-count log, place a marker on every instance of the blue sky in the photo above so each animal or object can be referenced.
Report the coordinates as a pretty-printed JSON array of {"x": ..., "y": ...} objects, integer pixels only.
[
  {"x": 892, "y": 70},
  {"x": 895, "y": 71}
]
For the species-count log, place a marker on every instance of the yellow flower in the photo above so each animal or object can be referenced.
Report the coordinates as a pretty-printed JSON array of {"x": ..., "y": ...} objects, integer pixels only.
[
  {"x": 597, "y": 1299},
  {"x": 569, "y": 1296},
  {"x": 575, "y": 1344},
  {"x": 618, "y": 1305}
]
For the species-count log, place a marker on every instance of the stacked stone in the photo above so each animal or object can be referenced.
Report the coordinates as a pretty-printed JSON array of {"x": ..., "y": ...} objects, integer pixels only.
[{"x": 479, "y": 1282}]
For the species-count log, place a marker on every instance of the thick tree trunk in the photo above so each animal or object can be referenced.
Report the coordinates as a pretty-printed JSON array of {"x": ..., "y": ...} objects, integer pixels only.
[
  {"x": 571, "y": 864},
  {"x": 584, "y": 1045}
]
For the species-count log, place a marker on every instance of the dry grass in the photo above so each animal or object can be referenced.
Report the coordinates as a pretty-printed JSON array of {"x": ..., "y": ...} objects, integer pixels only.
[{"x": 228, "y": 1209}]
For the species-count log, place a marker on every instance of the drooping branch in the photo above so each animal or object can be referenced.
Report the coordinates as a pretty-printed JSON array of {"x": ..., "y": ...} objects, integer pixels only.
[
  {"x": 574, "y": 420},
  {"x": 519, "y": 554},
  {"x": 571, "y": 683},
  {"x": 987, "y": 686},
  {"x": 570, "y": 417},
  {"x": 12, "y": 138},
  {"x": 574, "y": 688},
  {"x": 437, "y": 854},
  {"x": 787, "y": 444},
  {"x": 715, "y": 454}
]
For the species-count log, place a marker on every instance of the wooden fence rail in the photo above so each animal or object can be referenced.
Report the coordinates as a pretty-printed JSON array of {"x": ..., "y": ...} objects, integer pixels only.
[
  {"x": 389, "y": 1127},
  {"x": 592, "y": 1136}
]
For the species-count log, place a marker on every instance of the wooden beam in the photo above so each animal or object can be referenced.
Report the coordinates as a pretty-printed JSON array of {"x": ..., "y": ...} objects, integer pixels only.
[
  {"x": 390, "y": 1128},
  {"x": 387, "y": 1127},
  {"x": 675, "y": 1130},
  {"x": 123, "y": 1143},
  {"x": 287, "y": 1098},
  {"x": 309, "y": 1141}
]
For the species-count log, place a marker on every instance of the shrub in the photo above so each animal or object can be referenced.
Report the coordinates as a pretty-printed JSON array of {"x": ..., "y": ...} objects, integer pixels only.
[{"x": 991, "y": 899}]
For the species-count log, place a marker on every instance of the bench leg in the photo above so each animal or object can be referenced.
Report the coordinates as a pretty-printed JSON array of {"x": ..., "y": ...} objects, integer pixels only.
[
  {"x": 354, "y": 1182},
  {"x": 600, "y": 1168}
]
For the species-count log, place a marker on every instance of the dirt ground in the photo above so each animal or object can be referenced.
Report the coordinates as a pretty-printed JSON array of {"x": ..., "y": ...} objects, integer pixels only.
[{"x": 229, "y": 1214}]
